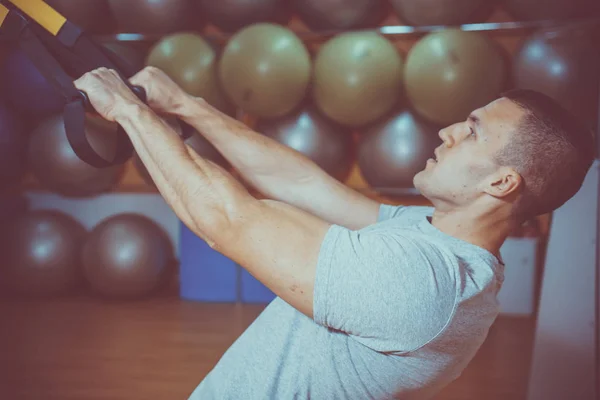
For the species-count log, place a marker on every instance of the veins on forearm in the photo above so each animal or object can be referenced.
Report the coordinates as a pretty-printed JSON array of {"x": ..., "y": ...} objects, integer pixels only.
[{"x": 198, "y": 191}]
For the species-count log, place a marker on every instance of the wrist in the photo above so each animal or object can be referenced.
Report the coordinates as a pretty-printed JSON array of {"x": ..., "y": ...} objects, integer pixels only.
[
  {"x": 130, "y": 112},
  {"x": 186, "y": 107}
]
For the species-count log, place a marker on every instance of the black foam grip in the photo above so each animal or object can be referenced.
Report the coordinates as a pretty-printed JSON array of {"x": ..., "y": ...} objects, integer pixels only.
[{"x": 137, "y": 90}]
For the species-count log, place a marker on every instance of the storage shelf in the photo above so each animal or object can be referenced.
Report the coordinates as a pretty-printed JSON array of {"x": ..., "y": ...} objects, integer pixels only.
[{"x": 386, "y": 30}]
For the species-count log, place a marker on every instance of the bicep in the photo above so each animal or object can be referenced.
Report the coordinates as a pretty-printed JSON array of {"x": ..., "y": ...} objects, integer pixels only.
[{"x": 279, "y": 245}]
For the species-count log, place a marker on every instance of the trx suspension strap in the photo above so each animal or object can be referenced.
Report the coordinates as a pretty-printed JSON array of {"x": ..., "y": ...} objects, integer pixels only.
[
  {"x": 60, "y": 50},
  {"x": 45, "y": 44}
]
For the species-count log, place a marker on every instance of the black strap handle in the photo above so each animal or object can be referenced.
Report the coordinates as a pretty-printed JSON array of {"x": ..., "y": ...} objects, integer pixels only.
[
  {"x": 72, "y": 50},
  {"x": 37, "y": 45}
]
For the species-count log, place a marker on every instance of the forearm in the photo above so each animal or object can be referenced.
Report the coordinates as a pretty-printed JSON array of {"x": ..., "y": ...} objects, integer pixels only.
[
  {"x": 199, "y": 192},
  {"x": 277, "y": 171},
  {"x": 272, "y": 168}
]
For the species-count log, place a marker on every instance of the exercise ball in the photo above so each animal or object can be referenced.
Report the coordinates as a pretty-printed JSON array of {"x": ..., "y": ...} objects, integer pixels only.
[
  {"x": 53, "y": 162},
  {"x": 565, "y": 65},
  {"x": 197, "y": 142},
  {"x": 232, "y": 15},
  {"x": 191, "y": 62},
  {"x": 442, "y": 12},
  {"x": 93, "y": 16},
  {"x": 11, "y": 206},
  {"x": 339, "y": 14},
  {"x": 26, "y": 88},
  {"x": 326, "y": 143},
  {"x": 13, "y": 144},
  {"x": 552, "y": 9},
  {"x": 41, "y": 253},
  {"x": 450, "y": 73},
  {"x": 393, "y": 151},
  {"x": 265, "y": 70},
  {"x": 127, "y": 256},
  {"x": 357, "y": 78},
  {"x": 154, "y": 16},
  {"x": 127, "y": 53}
]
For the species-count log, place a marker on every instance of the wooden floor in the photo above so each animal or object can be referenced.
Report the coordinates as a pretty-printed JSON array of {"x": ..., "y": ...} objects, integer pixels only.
[{"x": 86, "y": 349}]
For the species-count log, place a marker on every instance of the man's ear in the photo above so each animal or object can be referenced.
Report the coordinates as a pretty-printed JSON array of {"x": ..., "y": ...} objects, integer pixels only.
[{"x": 505, "y": 182}]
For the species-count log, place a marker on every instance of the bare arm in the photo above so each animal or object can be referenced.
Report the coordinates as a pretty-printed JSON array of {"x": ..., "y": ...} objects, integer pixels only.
[
  {"x": 277, "y": 243},
  {"x": 277, "y": 171}
]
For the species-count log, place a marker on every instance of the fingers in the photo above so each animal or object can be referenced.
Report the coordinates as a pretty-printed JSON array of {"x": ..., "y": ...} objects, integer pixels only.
[
  {"x": 142, "y": 76},
  {"x": 102, "y": 74}
]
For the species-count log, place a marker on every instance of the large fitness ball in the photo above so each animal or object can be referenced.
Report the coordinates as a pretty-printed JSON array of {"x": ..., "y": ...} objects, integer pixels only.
[
  {"x": 12, "y": 147},
  {"x": 232, "y": 15},
  {"x": 191, "y": 62},
  {"x": 357, "y": 78},
  {"x": 93, "y": 16},
  {"x": 326, "y": 143},
  {"x": 552, "y": 9},
  {"x": 127, "y": 256},
  {"x": 265, "y": 70},
  {"x": 27, "y": 89},
  {"x": 392, "y": 152},
  {"x": 54, "y": 163},
  {"x": 154, "y": 16},
  {"x": 41, "y": 252},
  {"x": 339, "y": 14},
  {"x": 440, "y": 12},
  {"x": 565, "y": 65},
  {"x": 450, "y": 73}
]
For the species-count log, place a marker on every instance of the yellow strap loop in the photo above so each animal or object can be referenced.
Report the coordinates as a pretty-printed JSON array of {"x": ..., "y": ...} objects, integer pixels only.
[
  {"x": 42, "y": 13},
  {"x": 3, "y": 13}
]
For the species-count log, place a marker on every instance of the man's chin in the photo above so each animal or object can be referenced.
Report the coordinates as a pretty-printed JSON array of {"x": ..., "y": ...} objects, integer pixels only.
[{"x": 419, "y": 180}]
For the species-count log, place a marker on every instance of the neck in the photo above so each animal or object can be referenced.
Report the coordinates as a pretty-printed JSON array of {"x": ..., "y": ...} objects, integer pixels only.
[{"x": 484, "y": 228}]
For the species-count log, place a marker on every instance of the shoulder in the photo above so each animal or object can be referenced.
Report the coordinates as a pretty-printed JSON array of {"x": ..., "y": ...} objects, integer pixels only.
[{"x": 392, "y": 291}]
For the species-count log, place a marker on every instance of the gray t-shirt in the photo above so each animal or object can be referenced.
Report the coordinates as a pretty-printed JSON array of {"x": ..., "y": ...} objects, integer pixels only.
[{"x": 400, "y": 309}]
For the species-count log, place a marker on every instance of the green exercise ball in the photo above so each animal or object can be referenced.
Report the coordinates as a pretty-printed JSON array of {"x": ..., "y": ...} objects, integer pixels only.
[
  {"x": 191, "y": 62},
  {"x": 265, "y": 70},
  {"x": 450, "y": 73},
  {"x": 357, "y": 78}
]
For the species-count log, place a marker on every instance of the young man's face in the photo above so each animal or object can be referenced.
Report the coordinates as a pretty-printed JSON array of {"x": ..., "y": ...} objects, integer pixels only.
[{"x": 465, "y": 159}]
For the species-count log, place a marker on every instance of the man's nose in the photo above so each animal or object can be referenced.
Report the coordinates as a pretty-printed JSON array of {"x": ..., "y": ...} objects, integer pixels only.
[{"x": 447, "y": 137}]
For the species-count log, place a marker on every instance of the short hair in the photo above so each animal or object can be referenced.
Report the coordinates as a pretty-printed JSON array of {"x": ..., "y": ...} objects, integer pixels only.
[{"x": 552, "y": 151}]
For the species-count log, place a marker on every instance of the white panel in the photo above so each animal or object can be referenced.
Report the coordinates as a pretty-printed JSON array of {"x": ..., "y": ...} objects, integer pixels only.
[
  {"x": 517, "y": 294},
  {"x": 90, "y": 211},
  {"x": 564, "y": 365}
]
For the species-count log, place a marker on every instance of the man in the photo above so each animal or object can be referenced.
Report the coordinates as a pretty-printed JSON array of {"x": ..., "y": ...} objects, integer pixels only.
[{"x": 374, "y": 301}]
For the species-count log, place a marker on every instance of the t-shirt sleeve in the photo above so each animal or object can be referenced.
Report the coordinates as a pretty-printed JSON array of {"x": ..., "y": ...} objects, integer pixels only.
[
  {"x": 390, "y": 292},
  {"x": 387, "y": 211}
]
